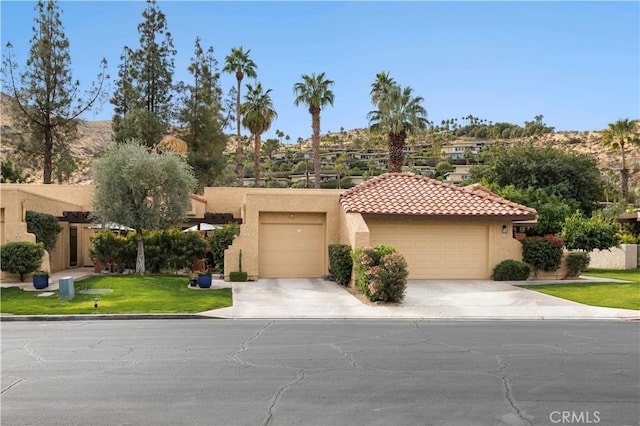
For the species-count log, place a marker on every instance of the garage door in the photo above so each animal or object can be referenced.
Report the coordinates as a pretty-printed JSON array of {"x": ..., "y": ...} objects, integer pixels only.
[
  {"x": 436, "y": 250},
  {"x": 292, "y": 245}
]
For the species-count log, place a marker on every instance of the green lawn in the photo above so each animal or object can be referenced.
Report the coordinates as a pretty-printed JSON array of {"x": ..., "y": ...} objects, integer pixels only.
[
  {"x": 610, "y": 295},
  {"x": 632, "y": 275},
  {"x": 132, "y": 294}
]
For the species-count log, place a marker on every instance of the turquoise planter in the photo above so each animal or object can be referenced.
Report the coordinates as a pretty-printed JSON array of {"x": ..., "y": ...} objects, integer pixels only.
[
  {"x": 204, "y": 281},
  {"x": 40, "y": 281}
]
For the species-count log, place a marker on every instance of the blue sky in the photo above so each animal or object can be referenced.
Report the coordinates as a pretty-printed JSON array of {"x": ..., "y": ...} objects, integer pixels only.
[{"x": 576, "y": 63}]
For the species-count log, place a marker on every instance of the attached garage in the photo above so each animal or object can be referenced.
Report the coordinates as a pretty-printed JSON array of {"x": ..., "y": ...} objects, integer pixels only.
[
  {"x": 292, "y": 245},
  {"x": 436, "y": 249},
  {"x": 443, "y": 231}
]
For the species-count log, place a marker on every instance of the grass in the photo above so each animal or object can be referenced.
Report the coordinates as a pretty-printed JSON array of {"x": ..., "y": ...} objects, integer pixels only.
[
  {"x": 131, "y": 295},
  {"x": 606, "y": 294}
]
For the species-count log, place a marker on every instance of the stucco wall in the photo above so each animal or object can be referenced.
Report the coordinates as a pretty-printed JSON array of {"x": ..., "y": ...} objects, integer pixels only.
[
  {"x": 16, "y": 199},
  {"x": 625, "y": 257},
  {"x": 256, "y": 201}
]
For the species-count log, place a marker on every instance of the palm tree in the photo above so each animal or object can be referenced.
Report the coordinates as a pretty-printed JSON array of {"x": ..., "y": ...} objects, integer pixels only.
[
  {"x": 239, "y": 63},
  {"x": 315, "y": 92},
  {"x": 258, "y": 114},
  {"x": 399, "y": 113},
  {"x": 616, "y": 137},
  {"x": 381, "y": 87}
]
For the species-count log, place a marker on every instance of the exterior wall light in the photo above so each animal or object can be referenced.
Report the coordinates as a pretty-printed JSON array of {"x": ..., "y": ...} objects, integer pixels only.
[{"x": 505, "y": 229}]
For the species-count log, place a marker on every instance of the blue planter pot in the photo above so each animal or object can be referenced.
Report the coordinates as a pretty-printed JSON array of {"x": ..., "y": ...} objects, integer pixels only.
[
  {"x": 41, "y": 281},
  {"x": 204, "y": 281}
]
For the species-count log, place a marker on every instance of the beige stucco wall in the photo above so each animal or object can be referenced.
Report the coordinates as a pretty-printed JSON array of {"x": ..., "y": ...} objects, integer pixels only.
[
  {"x": 624, "y": 257},
  {"x": 16, "y": 199},
  {"x": 256, "y": 201}
]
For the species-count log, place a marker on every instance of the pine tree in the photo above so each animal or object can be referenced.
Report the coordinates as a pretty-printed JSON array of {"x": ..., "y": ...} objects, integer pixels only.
[
  {"x": 45, "y": 96},
  {"x": 201, "y": 116},
  {"x": 144, "y": 90}
]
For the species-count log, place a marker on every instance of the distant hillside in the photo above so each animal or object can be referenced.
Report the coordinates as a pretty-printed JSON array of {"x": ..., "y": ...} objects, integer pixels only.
[{"x": 95, "y": 137}]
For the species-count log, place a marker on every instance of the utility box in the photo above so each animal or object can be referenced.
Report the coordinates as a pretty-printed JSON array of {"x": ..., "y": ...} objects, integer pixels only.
[{"x": 67, "y": 290}]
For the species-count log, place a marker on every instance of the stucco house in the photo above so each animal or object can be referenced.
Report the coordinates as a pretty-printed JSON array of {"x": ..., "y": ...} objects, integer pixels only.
[{"x": 443, "y": 231}]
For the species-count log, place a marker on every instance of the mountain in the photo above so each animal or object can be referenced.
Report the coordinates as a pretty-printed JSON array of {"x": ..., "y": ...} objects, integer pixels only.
[{"x": 94, "y": 137}]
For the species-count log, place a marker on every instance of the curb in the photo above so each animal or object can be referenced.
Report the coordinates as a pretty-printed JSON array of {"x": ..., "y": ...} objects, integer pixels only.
[{"x": 10, "y": 318}]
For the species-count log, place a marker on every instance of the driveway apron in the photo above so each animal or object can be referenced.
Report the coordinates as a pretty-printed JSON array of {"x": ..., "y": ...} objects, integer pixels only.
[{"x": 430, "y": 299}]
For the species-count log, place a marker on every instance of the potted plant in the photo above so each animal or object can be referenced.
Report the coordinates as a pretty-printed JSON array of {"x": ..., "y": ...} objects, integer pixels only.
[
  {"x": 40, "y": 279},
  {"x": 193, "y": 280},
  {"x": 238, "y": 276},
  {"x": 21, "y": 257},
  {"x": 204, "y": 279}
]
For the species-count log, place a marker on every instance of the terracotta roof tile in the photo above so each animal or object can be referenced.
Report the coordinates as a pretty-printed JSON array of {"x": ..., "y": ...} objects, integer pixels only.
[{"x": 415, "y": 195}]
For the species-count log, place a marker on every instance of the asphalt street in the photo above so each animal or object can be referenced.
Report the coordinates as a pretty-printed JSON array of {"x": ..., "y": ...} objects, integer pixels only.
[{"x": 320, "y": 372}]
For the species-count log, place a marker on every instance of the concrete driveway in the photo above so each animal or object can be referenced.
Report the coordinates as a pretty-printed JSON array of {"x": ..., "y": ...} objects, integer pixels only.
[{"x": 431, "y": 299}]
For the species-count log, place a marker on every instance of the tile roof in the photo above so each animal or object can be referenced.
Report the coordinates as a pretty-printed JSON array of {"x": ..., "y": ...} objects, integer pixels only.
[{"x": 415, "y": 195}]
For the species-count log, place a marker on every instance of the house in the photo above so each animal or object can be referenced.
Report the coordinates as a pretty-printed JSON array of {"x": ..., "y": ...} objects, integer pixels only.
[{"x": 442, "y": 230}]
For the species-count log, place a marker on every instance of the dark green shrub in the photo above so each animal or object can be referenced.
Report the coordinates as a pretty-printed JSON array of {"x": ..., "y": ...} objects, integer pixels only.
[
  {"x": 220, "y": 241},
  {"x": 171, "y": 249},
  {"x": 543, "y": 253},
  {"x": 511, "y": 270},
  {"x": 590, "y": 234},
  {"x": 340, "y": 263},
  {"x": 109, "y": 248},
  {"x": 21, "y": 257},
  {"x": 44, "y": 226},
  {"x": 238, "y": 276},
  {"x": 577, "y": 262},
  {"x": 381, "y": 273}
]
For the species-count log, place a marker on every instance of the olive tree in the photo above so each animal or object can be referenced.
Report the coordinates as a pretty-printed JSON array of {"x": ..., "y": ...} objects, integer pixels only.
[{"x": 141, "y": 189}]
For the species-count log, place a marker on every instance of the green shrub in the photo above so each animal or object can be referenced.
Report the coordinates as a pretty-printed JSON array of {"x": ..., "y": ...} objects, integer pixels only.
[
  {"x": 511, "y": 270},
  {"x": 21, "y": 257},
  {"x": 238, "y": 276},
  {"x": 626, "y": 238},
  {"x": 577, "y": 262},
  {"x": 589, "y": 234},
  {"x": 543, "y": 253},
  {"x": 45, "y": 227},
  {"x": 220, "y": 241},
  {"x": 109, "y": 248},
  {"x": 340, "y": 263},
  {"x": 170, "y": 250},
  {"x": 381, "y": 273}
]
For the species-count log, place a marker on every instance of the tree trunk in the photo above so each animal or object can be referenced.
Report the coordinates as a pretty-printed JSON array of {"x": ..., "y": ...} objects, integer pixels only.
[
  {"x": 140, "y": 269},
  {"x": 48, "y": 154},
  {"x": 624, "y": 177},
  {"x": 396, "y": 151},
  {"x": 256, "y": 164},
  {"x": 315, "y": 125},
  {"x": 239, "y": 150}
]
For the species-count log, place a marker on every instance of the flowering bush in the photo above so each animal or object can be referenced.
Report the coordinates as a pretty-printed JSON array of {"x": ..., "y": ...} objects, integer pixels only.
[{"x": 381, "y": 273}]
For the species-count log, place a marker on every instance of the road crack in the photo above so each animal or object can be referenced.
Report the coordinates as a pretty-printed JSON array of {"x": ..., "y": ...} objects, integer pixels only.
[
  {"x": 300, "y": 376},
  {"x": 243, "y": 347},
  {"x": 12, "y": 385},
  {"x": 347, "y": 355},
  {"x": 32, "y": 353},
  {"x": 508, "y": 393}
]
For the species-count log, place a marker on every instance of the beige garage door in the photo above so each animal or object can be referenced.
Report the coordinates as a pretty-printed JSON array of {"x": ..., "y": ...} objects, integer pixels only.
[
  {"x": 436, "y": 249},
  {"x": 292, "y": 245}
]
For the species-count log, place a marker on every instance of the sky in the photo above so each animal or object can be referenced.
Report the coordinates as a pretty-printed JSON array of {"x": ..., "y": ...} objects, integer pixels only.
[{"x": 576, "y": 63}]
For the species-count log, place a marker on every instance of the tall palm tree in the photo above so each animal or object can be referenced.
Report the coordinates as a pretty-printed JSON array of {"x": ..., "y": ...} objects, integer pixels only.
[
  {"x": 399, "y": 113},
  {"x": 257, "y": 116},
  {"x": 239, "y": 63},
  {"x": 315, "y": 92},
  {"x": 618, "y": 136}
]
